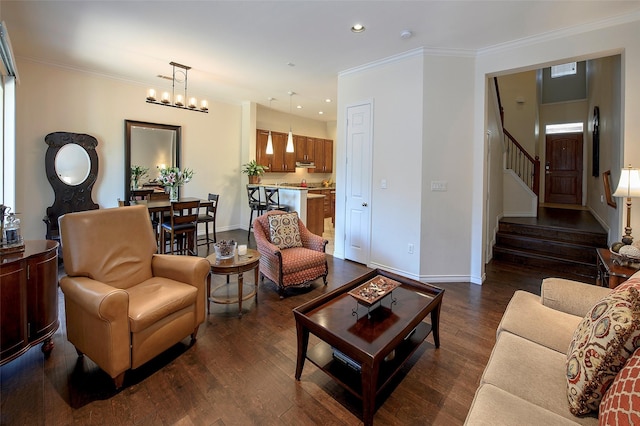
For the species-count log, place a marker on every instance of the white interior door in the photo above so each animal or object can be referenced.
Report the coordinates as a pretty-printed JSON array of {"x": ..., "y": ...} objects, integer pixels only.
[{"x": 358, "y": 183}]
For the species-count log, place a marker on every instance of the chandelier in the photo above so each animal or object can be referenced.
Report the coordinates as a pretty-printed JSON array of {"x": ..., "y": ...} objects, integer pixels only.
[{"x": 179, "y": 76}]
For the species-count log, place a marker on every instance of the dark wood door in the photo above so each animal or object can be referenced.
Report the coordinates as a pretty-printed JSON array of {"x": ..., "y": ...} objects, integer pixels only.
[{"x": 563, "y": 169}]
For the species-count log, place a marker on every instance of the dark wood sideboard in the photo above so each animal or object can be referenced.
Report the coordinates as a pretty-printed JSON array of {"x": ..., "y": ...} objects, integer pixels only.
[{"x": 28, "y": 299}]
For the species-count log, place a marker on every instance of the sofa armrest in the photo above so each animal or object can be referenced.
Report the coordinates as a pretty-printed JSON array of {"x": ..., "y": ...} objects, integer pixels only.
[
  {"x": 569, "y": 296},
  {"x": 97, "y": 317},
  {"x": 190, "y": 270}
]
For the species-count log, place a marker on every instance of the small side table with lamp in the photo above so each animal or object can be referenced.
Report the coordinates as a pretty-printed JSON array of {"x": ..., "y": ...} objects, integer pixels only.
[
  {"x": 622, "y": 259},
  {"x": 629, "y": 187}
]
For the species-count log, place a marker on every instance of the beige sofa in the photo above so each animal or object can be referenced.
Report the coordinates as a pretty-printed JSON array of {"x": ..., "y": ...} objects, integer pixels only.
[{"x": 524, "y": 382}]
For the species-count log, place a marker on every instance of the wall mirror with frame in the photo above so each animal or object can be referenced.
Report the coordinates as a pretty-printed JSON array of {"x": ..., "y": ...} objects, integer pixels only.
[{"x": 152, "y": 146}]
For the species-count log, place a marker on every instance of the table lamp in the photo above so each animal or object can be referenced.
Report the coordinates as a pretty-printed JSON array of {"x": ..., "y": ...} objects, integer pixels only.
[{"x": 629, "y": 187}]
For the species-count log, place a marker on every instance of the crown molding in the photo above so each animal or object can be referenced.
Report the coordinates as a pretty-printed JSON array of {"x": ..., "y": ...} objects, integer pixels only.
[
  {"x": 419, "y": 52},
  {"x": 561, "y": 33}
]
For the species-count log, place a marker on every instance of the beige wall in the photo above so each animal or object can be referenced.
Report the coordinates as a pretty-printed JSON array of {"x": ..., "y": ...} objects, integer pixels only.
[
  {"x": 518, "y": 94},
  {"x": 53, "y": 99},
  {"x": 603, "y": 87}
]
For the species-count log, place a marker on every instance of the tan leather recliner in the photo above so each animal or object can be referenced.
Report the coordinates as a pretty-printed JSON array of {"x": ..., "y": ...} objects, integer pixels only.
[{"x": 124, "y": 303}]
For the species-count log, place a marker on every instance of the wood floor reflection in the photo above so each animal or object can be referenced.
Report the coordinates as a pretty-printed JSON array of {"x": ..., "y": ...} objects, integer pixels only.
[{"x": 241, "y": 371}]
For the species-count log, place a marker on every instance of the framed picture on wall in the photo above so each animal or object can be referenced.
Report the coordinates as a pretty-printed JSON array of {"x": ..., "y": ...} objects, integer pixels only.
[{"x": 596, "y": 143}]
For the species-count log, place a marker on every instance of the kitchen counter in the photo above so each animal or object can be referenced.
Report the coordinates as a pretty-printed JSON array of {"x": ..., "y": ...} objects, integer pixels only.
[
  {"x": 298, "y": 197},
  {"x": 312, "y": 196}
]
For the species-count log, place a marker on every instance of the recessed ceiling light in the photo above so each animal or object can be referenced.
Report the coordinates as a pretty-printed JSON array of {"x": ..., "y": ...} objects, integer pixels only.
[
  {"x": 291, "y": 64},
  {"x": 406, "y": 34},
  {"x": 320, "y": 112},
  {"x": 357, "y": 28},
  {"x": 299, "y": 106},
  {"x": 327, "y": 100}
]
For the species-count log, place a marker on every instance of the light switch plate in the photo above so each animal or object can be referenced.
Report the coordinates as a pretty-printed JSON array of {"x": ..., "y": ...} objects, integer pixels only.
[
  {"x": 383, "y": 184},
  {"x": 438, "y": 185}
]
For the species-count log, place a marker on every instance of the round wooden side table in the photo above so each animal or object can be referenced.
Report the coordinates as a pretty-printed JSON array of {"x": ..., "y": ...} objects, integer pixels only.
[{"x": 236, "y": 265}]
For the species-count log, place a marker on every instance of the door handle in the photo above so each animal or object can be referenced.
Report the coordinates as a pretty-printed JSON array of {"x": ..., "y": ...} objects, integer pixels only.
[{"x": 364, "y": 204}]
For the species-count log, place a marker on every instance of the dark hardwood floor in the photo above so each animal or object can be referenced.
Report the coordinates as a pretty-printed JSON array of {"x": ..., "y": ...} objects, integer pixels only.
[{"x": 241, "y": 371}]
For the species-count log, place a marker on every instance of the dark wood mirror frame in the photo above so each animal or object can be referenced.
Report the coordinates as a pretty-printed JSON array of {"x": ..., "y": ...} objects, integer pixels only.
[
  {"x": 128, "y": 126},
  {"x": 69, "y": 198}
]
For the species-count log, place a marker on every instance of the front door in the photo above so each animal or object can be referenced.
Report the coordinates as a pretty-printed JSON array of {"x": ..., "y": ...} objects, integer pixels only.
[
  {"x": 563, "y": 169},
  {"x": 358, "y": 184}
]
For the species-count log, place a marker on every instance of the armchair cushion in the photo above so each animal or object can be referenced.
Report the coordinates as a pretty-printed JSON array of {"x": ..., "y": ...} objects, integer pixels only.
[
  {"x": 284, "y": 230},
  {"x": 604, "y": 340},
  {"x": 157, "y": 298}
]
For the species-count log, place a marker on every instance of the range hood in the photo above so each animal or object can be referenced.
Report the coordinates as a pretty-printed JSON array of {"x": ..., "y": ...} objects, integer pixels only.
[{"x": 305, "y": 165}]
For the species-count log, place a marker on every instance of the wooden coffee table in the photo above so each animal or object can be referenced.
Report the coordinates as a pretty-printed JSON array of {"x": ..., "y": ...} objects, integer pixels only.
[
  {"x": 234, "y": 266},
  {"x": 363, "y": 347}
]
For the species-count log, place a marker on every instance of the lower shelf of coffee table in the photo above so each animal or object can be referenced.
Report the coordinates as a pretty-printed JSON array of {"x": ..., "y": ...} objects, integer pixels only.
[{"x": 322, "y": 356}]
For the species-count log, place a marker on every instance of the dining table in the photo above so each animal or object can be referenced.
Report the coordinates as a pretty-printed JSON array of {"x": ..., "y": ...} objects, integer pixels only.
[{"x": 158, "y": 208}]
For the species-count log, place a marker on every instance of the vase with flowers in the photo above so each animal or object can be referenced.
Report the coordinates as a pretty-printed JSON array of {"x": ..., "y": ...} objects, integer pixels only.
[
  {"x": 137, "y": 173},
  {"x": 172, "y": 178}
]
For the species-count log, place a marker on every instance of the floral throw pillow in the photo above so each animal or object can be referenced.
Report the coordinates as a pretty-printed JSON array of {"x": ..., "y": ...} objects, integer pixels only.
[
  {"x": 621, "y": 403},
  {"x": 602, "y": 343},
  {"x": 284, "y": 231}
]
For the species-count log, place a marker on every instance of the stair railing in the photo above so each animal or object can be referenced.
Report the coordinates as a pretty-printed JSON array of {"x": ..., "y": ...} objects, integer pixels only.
[
  {"x": 521, "y": 163},
  {"x": 517, "y": 158}
]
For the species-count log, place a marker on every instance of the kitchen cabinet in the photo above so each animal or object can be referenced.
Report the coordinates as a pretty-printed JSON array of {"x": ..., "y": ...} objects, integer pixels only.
[
  {"x": 328, "y": 201},
  {"x": 28, "y": 299},
  {"x": 315, "y": 214},
  {"x": 323, "y": 156},
  {"x": 278, "y": 162},
  {"x": 305, "y": 148}
]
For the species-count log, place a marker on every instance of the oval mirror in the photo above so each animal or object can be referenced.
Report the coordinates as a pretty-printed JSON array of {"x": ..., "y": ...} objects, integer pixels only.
[{"x": 72, "y": 164}]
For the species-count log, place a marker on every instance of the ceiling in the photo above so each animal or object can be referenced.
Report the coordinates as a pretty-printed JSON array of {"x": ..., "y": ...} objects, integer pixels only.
[{"x": 253, "y": 50}]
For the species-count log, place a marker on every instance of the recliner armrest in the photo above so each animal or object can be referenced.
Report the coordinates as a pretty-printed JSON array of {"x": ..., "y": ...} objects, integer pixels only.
[
  {"x": 96, "y": 298},
  {"x": 98, "y": 322},
  {"x": 572, "y": 297}
]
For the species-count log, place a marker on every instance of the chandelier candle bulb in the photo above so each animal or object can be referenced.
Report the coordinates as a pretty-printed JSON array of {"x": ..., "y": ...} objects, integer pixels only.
[
  {"x": 193, "y": 102},
  {"x": 179, "y": 100},
  {"x": 204, "y": 105},
  {"x": 151, "y": 95},
  {"x": 165, "y": 98}
]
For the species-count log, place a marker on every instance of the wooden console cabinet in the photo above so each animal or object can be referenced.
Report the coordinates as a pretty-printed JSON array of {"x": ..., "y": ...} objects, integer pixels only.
[{"x": 28, "y": 299}]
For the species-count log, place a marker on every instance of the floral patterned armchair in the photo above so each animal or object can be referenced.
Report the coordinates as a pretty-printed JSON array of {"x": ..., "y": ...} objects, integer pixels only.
[{"x": 290, "y": 255}]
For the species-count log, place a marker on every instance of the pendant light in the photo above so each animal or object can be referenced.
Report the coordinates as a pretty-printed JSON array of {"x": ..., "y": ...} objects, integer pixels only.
[
  {"x": 290, "y": 137},
  {"x": 269, "y": 139}
]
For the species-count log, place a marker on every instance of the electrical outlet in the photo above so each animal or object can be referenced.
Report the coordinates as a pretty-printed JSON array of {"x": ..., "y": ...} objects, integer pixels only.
[
  {"x": 410, "y": 249},
  {"x": 602, "y": 199}
]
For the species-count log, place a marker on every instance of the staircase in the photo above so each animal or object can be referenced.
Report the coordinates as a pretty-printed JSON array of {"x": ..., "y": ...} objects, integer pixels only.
[{"x": 552, "y": 245}]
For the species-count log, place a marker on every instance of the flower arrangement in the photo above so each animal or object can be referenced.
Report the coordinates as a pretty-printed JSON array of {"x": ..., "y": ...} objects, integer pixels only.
[
  {"x": 173, "y": 176},
  {"x": 137, "y": 173}
]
